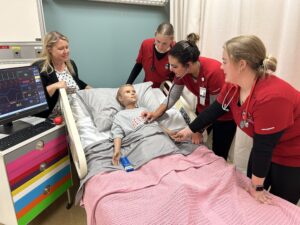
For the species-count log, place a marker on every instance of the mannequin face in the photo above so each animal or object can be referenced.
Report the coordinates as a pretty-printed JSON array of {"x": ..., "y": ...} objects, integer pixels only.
[
  {"x": 176, "y": 67},
  {"x": 60, "y": 51},
  {"x": 128, "y": 96},
  {"x": 163, "y": 42}
]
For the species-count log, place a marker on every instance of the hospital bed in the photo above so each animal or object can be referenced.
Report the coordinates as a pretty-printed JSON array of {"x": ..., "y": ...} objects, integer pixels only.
[{"x": 194, "y": 188}]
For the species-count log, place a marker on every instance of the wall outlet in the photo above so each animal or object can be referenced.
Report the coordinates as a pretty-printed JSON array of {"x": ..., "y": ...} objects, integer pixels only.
[
  {"x": 16, "y": 52},
  {"x": 38, "y": 51},
  {"x": 17, "y": 55}
]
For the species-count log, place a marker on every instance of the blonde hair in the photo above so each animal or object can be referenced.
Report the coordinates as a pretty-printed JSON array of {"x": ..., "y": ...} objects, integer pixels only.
[
  {"x": 119, "y": 93},
  {"x": 50, "y": 40},
  {"x": 251, "y": 49},
  {"x": 165, "y": 29}
]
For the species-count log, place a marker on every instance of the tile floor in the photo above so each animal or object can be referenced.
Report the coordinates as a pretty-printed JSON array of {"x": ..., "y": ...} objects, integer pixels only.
[{"x": 58, "y": 214}]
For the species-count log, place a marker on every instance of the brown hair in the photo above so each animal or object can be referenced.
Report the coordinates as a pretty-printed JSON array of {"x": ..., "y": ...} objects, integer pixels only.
[
  {"x": 251, "y": 49},
  {"x": 186, "y": 51}
]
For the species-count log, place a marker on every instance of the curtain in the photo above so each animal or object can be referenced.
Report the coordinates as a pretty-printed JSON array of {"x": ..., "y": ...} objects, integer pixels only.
[{"x": 276, "y": 22}]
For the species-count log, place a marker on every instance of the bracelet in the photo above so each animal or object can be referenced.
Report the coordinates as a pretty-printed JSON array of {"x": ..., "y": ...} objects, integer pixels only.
[
  {"x": 202, "y": 130},
  {"x": 258, "y": 187}
]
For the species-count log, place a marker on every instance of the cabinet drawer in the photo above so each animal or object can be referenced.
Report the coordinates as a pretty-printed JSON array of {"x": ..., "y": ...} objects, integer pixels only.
[
  {"x": 34, "y": 145},
  {"x": 28, "y": 165},
  {"x": 36, "y": 194}
]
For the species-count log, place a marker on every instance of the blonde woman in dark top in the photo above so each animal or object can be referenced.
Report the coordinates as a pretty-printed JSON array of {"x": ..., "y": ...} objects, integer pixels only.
[{"x": 57, "y": 70}]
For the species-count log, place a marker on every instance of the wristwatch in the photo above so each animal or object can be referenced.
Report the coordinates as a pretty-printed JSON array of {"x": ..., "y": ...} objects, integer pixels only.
[{"x": 258, "y": 187}]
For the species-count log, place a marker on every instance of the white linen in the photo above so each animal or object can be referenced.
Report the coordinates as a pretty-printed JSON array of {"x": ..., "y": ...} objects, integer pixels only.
[{"x": 93, "y": 110}]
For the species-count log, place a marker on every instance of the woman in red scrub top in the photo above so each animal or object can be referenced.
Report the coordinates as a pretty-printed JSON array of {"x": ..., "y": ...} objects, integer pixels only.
[
  {"x": 204, "y": 78},
  {"x": 267, "y": 109},
  {"x": 153, "y": 57}
]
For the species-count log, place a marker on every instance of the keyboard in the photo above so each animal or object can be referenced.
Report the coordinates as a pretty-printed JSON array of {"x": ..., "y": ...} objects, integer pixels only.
[{"x": 24, "y": 134}]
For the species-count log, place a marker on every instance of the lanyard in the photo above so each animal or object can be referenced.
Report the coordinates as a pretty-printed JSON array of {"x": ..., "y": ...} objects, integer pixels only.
[{"x": 244, "y": 121}]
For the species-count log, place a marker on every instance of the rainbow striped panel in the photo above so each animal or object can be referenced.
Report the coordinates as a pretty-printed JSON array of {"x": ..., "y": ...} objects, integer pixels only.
[
  {"x": 39, "y": 192},
  {"x": 38, "y": 178}
]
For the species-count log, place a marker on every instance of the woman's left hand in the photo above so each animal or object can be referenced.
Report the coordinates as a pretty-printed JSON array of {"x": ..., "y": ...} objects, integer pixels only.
[
  {"x": 183, "y": 135},
  {"x": 197, "y": 138},
  {"x": 260, "y": 196}
]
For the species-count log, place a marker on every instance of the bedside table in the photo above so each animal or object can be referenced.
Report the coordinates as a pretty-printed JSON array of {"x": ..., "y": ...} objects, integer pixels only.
[{"x": 33, "y": 174}]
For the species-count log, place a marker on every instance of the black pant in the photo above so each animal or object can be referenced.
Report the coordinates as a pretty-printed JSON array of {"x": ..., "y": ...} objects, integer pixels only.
[
  {"x": 283, "y": 180},
  {"x": 223, "y": 133}
]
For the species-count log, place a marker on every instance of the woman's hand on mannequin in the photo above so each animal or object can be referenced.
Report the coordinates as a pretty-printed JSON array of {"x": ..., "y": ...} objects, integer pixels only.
[
  {"x": 197, "y": 138},
  {"x": 183, "y": 135}
]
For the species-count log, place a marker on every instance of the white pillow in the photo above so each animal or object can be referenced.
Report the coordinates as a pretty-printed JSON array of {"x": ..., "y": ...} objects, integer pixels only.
[
  {"x": 87, "y": 130},
  {"x": 172, "y": 119},
  {"x": 101, "y": 103},
  {"x": 93, "y": 111}
]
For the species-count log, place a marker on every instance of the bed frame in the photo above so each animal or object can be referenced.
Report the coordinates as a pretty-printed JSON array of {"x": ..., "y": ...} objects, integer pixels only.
[
  {"x": 181, "y": 104},
  {"x": 75, "y": 145},
  {"x": 73, "y": 135}
]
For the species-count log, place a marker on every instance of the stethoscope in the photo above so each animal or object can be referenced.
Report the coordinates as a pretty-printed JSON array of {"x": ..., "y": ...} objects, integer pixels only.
[
  {"x": 224, "y": 104},
  {"x": 152, "y": 68},
  {"x": 152, "y": 65},
  {"x": 245, "y": 116}
]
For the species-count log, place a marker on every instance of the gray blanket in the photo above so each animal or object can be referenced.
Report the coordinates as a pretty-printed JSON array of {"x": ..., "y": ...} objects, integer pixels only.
[{"x": 146, "y": 143}]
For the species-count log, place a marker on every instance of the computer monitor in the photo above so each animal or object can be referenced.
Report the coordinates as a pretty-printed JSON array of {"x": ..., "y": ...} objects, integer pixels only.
[{"x": 21, "y": 94}]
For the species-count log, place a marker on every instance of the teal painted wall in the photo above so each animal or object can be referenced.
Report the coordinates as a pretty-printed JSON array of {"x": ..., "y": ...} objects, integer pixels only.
[{"x": 104, "y": 37}]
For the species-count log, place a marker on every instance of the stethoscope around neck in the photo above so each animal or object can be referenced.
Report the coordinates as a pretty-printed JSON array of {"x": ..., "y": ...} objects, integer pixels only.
[
  {"x": 245, "y": 114},
  {"x": 152, "y": 68}
]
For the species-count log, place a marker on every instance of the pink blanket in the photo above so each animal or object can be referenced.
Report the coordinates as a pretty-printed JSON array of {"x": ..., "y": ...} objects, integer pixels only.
[{"x": 197, "y": 189}]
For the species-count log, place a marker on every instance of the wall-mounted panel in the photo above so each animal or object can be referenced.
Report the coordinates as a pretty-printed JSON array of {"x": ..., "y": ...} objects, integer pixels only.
[{"x": 22, "y": 28}]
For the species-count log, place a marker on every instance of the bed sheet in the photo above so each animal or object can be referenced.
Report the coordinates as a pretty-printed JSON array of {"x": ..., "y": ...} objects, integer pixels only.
[
  {"x": 200, "y": 188},
  {"x": 93, "y": 111}
]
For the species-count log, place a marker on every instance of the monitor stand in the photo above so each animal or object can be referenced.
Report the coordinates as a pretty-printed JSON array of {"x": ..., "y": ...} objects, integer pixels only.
[{"x": 12, "y": 127}]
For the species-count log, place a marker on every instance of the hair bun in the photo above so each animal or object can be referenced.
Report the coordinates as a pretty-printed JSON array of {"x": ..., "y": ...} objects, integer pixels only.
[{"x": 193, "y": 38}]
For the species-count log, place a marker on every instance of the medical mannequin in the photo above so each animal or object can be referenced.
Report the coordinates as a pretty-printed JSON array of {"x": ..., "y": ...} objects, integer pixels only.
[
  {"x": 57, "y": 71},
  {"x": 128, "y": 120},
  {"x": 267, "y": 109},
  {"x": 153, "y": 57},
  {"x": 204, "y": 78}
]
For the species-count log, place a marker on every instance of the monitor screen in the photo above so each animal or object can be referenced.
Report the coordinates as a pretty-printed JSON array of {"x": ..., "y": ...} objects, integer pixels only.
[{"x": 21, "y": 93}]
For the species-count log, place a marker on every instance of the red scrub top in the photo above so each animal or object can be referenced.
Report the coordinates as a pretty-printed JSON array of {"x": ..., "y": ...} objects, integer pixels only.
[
  {"x": 273, "y": 107},
  {"x": 211, "y": 77},
  {"x": 146, "y": 57}
]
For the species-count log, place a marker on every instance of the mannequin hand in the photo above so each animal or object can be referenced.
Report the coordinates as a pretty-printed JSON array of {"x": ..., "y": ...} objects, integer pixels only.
[{"x": 116, "y": 158}]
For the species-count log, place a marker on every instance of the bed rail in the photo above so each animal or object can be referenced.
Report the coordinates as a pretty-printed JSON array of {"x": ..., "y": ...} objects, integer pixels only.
[
  {"x": 182, "y": 104},
  {"x": 73, "y": 136}
]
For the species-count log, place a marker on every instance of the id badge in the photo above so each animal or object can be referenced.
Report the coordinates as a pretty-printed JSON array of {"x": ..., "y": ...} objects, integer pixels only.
[{"x": 202, "y": 95}]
